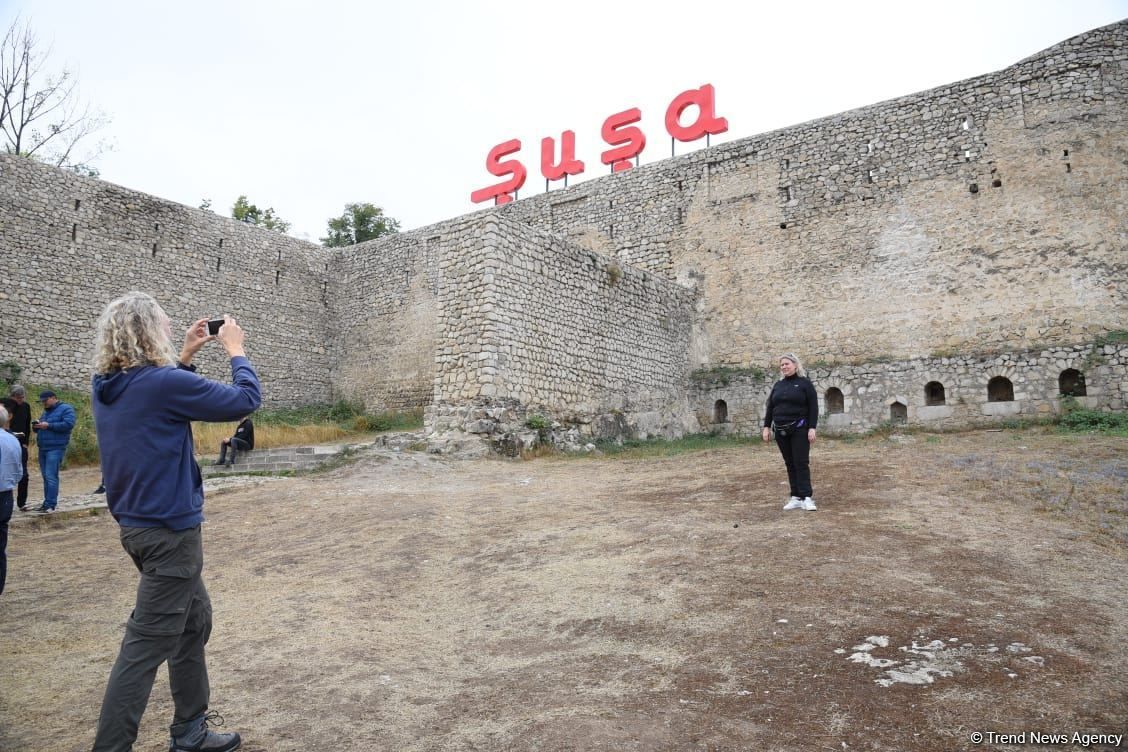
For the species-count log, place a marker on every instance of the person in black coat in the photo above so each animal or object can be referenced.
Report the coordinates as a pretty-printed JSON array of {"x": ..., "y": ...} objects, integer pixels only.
[
  {"x": 20, "y": 413},
  {"x": 793, "y": 414},
  {"x": 243, "y": 440}
]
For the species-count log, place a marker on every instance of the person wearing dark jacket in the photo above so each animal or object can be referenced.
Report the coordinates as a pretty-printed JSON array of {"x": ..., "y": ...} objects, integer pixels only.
[
  {"x": 793, "y": 414},
  {"x": 20, "y": 413},
  {"x": 144, "y": 399},
  {"x": 243, "y": 440}
]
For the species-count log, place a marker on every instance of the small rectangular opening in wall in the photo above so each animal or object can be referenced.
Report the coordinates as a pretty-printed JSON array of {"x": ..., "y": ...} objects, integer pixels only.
[
  {"x": 966, "y": 125},
  {"x": 679, "y": 215},
  {"x": 784, "y": 164},
  {"x": 785, "y": 193},
  {"x": 74, "y": 232},
  {"x": 279, "y": 254},
  {"x": 1066, "y": 153},
  {"x": 277, "y": 276},
  {"x": 611, "y": 204},
  {"x": 679, "y": 185},
  {"x": 611, "y": 231},
  {"x": 221, "y": 242},
  {"x": 77, "y": 203},
  {"x": 869, "y": 148},
  {"x": 154, "y": 250},
  {"x": 870, "y": 175},
  {"x": 973, "y": 188},
  {"x": 996, "y": 183},
  {"x": 156, "y": 228},
  {"x": 1068, "y": 167},
  {"x": 218, "y": 259}
]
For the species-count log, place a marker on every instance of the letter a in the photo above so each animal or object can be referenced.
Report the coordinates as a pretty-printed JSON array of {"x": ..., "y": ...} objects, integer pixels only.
[
  {"x": 706, "y": 121},
  {"x": 501, "y": 191},
  {"x": 568, "y": 164}
]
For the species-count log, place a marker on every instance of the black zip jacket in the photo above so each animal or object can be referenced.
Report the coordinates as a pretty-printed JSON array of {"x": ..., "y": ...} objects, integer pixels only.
[
  {"x": 246, "y": 432},
  {"x": 793, "y": 399}
]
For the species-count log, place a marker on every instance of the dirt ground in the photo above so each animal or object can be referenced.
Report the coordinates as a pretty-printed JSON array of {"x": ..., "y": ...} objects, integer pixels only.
[{"x": 947, "y": 585}]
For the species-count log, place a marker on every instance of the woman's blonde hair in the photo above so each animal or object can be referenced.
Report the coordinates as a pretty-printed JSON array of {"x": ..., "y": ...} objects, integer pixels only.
[
  {"x": 132, "y": 332},
  {"x": 799, "y": 369}
]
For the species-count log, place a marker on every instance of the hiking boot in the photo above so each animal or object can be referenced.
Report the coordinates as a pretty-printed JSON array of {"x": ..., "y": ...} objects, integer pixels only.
[
  {"x": 101, "y": 489},
  {"x": 809, "y": 505},
  {"x": 43, "y": 509},
  {"x": 195, "y": 736},
  {"x": 793, "y": 503}
]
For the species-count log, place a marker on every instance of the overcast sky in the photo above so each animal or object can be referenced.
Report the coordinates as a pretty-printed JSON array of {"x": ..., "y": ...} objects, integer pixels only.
[{"x": 306, "y": 106}]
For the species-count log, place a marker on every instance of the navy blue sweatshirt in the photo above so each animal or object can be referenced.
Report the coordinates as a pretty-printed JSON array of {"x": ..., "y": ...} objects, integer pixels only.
[
  {"x": 793, "y": 399},
  {"x": 143, "y": 419}
]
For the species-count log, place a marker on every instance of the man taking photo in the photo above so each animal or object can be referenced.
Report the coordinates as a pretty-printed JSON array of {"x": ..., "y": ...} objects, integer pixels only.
[{"x": 144, "y": 399}]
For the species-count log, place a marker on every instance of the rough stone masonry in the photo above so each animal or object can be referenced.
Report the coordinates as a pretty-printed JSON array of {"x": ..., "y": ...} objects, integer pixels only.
[{"x": 951, "y": 257}]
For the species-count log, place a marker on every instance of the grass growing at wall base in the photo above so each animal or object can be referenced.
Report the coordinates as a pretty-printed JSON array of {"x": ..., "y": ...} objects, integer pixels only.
[
  {"x": 1076, "y": 419},
  {"x": 312, "y": 424}
]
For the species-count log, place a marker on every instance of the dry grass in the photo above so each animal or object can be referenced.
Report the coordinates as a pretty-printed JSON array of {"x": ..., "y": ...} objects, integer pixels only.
[
  {"x": 267, "y": 436},
  {"x": 637, "y": 605}
]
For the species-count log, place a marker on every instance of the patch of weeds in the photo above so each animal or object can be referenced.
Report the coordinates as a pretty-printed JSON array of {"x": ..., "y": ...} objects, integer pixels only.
[
  {"x": 614, "y": 273},
  {"x": 541, "y": 425},
  {"x": 1114, "y": 337},
  {"x": 1094, "y": 421},
  {"x": 932, "y": 440}
]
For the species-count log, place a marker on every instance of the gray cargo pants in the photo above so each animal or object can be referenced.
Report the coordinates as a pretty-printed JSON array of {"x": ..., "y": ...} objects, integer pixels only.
[{"x": 171, "y": 622}]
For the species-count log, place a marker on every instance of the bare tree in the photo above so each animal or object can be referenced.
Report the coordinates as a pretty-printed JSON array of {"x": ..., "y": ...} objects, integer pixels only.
[{"x": 41, "y": 115}]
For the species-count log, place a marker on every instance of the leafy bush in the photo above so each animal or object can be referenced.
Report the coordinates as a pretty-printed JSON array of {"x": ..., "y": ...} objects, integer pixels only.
[
  {"x": 1095, "y": 421},
  {"x": 537, "y": 423}
]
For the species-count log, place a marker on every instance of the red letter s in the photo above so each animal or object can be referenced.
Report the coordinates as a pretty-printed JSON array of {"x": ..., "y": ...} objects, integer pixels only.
[
  {"x": 634, "y": 140},
  {"x": 500, "y": 191}
]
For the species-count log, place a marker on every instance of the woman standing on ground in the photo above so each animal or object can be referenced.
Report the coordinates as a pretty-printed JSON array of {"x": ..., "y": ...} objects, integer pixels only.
[{"x": 793, "y": 413}]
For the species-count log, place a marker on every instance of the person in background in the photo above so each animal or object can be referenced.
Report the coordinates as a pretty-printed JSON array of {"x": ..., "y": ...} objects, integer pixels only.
[
  {"x": 144, "y": 400},
  {"x": 11, "y": 468},
  {"x": 19, "y": 413},
  {"x": 793, "y": 414},
  {"x": 243, "y": 440},
  {"x": 52, "y": 434}
]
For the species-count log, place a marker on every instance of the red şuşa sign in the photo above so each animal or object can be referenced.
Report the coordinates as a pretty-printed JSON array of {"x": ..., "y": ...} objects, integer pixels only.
[{"x": 618, "y": 131}]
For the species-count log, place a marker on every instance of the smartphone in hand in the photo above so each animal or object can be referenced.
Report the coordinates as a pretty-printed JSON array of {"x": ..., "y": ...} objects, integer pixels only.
[{"x": 213, "y": 326}]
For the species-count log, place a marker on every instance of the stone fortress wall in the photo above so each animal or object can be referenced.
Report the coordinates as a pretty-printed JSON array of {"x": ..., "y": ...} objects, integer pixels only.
[
  {"x": 976, "y": 221},
  {"x": 984, "y": 214},
  {"x": 71, "y": 244}
]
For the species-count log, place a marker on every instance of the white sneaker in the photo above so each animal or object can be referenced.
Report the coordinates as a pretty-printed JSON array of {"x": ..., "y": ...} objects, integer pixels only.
[
  {"x": 808, "y": 505},
  {"x": 793, "y": 503}
]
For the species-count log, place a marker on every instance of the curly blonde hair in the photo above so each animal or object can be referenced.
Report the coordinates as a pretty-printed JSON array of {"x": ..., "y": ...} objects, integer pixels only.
[{"x": 132, "y": 331}]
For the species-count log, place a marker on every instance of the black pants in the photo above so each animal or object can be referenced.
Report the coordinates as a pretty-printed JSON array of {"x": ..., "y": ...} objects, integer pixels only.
[
  {"x": 5, "y": 516},
  {"x": 235, "y": 445},
  {"x": 796, "y": 451},
  {"x": 21, "y": 489},
  {"x": 171, "y": 621}
]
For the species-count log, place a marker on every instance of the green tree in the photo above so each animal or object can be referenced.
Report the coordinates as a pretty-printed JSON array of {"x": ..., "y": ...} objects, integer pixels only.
[
  {"x": 41, "y": 115},
  {"x": 244, "y": 211},
  {"x": 359, "y": 223}
]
